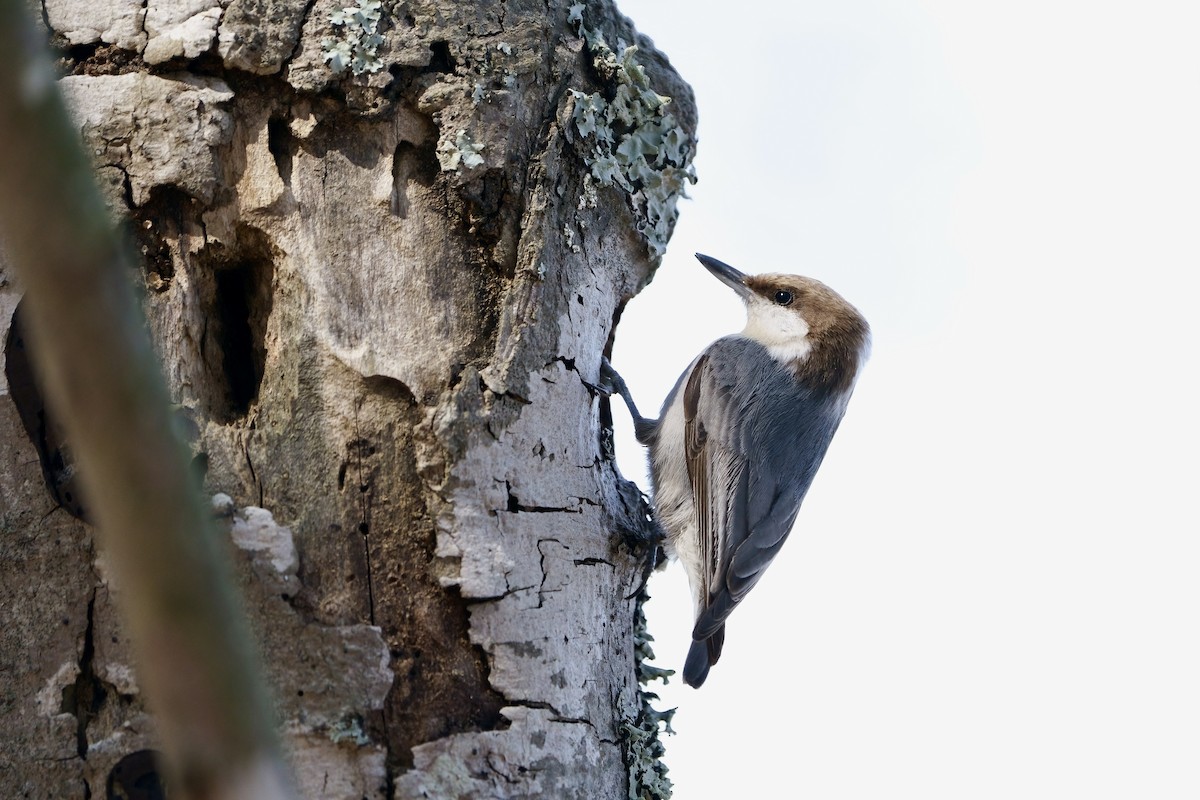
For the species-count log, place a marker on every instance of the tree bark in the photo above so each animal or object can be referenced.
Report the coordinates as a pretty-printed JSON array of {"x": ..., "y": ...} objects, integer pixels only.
[{"x": 380, "y": 300}]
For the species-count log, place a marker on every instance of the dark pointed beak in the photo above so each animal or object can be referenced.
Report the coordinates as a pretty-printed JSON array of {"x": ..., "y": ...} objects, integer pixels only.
[{"x": 726, "y": 275}]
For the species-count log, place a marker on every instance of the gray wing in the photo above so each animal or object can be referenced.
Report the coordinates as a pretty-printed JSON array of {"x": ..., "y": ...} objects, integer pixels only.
[
  {"x": 715, "y": 471},
  {"x": 755, "y": 437}
]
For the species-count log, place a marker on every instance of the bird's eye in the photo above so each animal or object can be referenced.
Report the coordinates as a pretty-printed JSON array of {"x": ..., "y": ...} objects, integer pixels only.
[{"x": 783, "y": 298}]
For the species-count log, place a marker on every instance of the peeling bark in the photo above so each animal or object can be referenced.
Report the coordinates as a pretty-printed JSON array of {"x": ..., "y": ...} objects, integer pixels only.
[{"x": 385, "y": 367}]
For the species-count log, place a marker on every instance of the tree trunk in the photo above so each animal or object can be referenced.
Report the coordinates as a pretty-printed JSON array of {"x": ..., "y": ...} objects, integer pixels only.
[{"x": 383, "y": 255}]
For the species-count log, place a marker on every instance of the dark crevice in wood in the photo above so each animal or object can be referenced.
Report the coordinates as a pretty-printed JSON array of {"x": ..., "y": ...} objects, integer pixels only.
[
  {"x": 237, "y": 293},
  {"x": 137, "y": 777},
  {"x": 45, "y": 433}
]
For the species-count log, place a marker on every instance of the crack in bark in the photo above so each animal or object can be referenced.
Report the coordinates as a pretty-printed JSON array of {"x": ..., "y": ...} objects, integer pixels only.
[
  {"x": 497, "y": 771},
  {"x": 253, "y": 475},
  {"x": 83, "y": 698},
  {"x": 542, "y": 567},
  {"x": 364, "y": 524},
  {"x": 85, "y": 685},
  {"x": 542, "y": 705},
  {"x": 308, "y": 7},
  {"x": 566, "y": 361},
  {"x": 592, "y": 561},
  {"x": 515, "y": 506},
  {"x": 572, "y": 720},
  {"x": 59, "y": 472}
]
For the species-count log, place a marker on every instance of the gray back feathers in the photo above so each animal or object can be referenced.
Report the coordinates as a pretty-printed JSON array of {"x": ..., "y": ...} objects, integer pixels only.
[{"x": 754, "y": 436}]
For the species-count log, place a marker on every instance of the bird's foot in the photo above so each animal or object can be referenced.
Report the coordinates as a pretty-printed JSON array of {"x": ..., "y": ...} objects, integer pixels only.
[
  {"x": 610, "y": 381},
  {"x": 656, "y": 558}
]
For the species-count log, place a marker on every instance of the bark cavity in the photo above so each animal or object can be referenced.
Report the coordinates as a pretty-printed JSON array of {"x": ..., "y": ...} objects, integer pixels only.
[
  {"x": 411, "y": 163},
  {"x": 281, "y": 143},
  {"x": 136, "y": 776},
  {"x": 238, "y": 308},
  {"x": 44, "y": 432}
]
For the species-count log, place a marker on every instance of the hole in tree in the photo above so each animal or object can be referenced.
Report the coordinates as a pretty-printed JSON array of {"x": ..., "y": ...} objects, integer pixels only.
[
  {"x": 98, "y": 59},
  {"x": 44, "y": 432},
  {"x": 200, "y": 466},
  {"x": 155, "y": 224},
  {"x": 441, "y": 61},
  {"x": 237, "y": 309},
  {"x": 411, "y": 164},
  {"x": 237, "y": 338},
  {"x": 136, "y": 777},
  {"x": 279, "y": 142},
  {"x": 82, "y": 52}
]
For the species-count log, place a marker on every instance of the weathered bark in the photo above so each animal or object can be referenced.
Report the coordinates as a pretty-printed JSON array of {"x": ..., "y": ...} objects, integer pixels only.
[{"x": 380, "y": 301}]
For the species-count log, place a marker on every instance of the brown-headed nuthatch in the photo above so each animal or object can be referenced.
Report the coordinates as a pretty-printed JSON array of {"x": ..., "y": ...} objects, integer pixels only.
[{"x": 741, "y": 436}]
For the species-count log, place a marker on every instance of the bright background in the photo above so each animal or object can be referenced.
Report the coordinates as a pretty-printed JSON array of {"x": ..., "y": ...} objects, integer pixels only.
[{"x": 993, "y": 590}]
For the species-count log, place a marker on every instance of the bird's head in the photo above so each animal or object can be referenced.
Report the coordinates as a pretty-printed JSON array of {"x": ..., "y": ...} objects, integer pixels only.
[{"x": 803, "y": 323}]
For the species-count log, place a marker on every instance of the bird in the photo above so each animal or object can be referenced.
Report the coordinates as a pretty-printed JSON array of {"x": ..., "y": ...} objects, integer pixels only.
[{"x": 741, "y": 436}]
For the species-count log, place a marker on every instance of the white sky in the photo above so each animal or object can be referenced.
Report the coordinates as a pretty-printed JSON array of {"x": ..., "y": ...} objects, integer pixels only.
[{"x": 993, "y": 590}]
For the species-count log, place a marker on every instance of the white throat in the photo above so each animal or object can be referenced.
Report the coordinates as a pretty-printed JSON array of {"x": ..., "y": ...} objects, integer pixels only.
[{"x": 779, "y": 329}]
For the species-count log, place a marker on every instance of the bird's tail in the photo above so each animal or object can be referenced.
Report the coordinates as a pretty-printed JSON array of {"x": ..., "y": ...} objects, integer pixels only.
[{"x": 701, "y": 656}]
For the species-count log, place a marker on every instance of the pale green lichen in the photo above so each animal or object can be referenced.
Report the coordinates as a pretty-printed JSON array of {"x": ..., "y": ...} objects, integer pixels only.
[
  {"x": 496, "y": 73},
  {"x": 629, "y": 140},
  {"x": 640, "y": 736},
  {"x": 348, "y": 729},
  {"x": 462, "y": 151},
  {"x": 589, "y": 197},
  {"x": 357, "y": 47}
]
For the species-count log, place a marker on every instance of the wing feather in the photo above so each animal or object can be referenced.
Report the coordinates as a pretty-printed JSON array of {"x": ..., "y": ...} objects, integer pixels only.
[
  {"x": 754, "y": 438},
  {"x": 695, "y": 440}
]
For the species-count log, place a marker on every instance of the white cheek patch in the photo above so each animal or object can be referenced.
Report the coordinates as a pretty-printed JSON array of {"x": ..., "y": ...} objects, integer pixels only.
[{"x": 778, "y": 328}]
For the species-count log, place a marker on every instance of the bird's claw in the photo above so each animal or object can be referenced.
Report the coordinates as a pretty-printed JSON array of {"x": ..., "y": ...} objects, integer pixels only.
[
  {"x": 656, "y": 558},
  {"x": 609, "y": 382}
]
